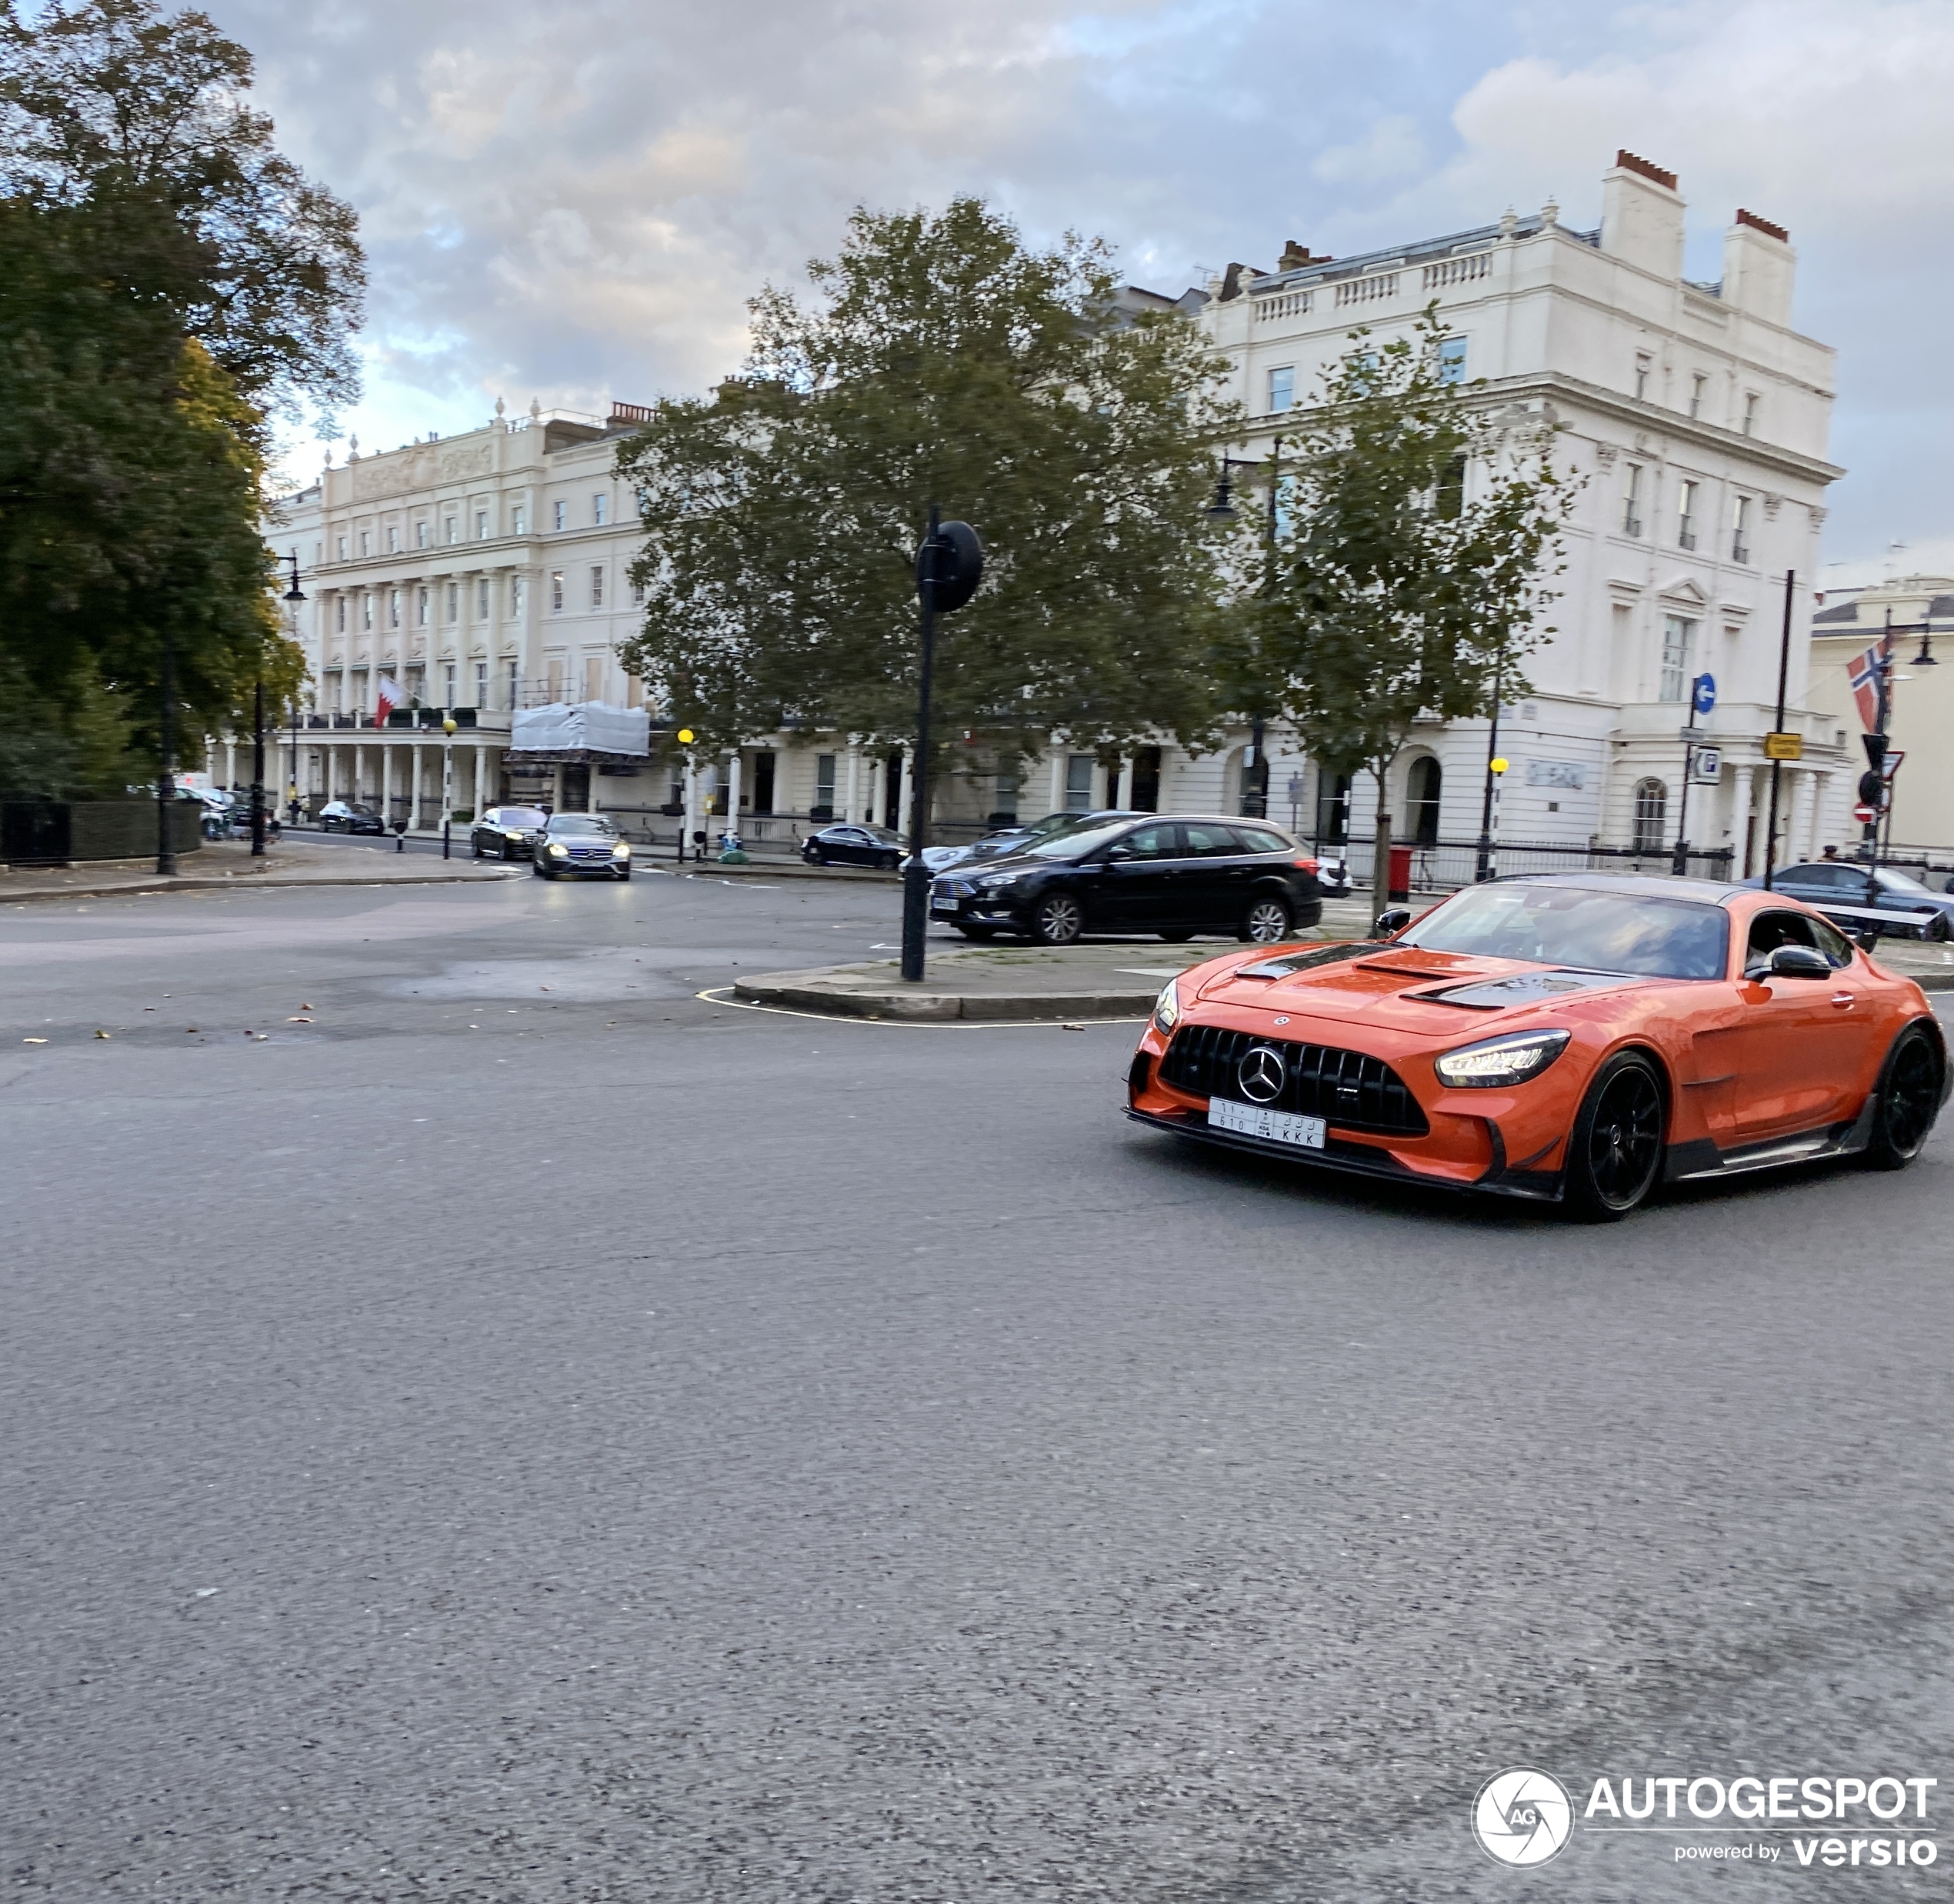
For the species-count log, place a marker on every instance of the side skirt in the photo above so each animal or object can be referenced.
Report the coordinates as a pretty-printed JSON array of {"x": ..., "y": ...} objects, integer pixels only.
[{"x": 1692, "y": 1161}]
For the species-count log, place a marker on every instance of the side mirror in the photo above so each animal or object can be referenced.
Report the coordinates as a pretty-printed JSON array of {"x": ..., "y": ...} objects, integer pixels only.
[
  {"x": 1799, "y": 962},
  {"x": 1395, "y": 920}
]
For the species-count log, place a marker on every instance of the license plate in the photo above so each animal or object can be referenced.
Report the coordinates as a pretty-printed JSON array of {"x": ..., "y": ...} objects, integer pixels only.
[
  {"x": 1254, "y": 1120},
  {"x": 942, "y": 905}
]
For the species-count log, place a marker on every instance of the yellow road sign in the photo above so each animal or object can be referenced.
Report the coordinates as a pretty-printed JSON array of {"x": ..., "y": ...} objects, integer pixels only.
[{"x": 1784, "y": 746}]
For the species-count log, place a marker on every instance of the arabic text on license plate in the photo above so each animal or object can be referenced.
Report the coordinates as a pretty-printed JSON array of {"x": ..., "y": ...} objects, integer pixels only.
[{"x": 1253, "y": 1120}]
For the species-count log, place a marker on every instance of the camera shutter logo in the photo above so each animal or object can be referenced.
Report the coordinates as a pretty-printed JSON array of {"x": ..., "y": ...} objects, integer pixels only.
[
  {"x": 1261, "y": 1074},
  {"x": 1522, "y": 1816}
]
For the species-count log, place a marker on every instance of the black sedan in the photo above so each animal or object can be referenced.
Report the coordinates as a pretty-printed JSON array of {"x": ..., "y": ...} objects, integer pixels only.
[
  {"x": 507, "y": 831},
  {"x": 1174, "y": 876},
  {"x": 847, "y": 843},
  {"x": 349, "y": 816},
  {"x": 1826, "y": 883},
  {"x": 579, "y": 843}
]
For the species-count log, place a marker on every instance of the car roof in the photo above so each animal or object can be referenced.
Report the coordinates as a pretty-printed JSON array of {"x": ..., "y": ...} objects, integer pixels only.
[{"x": 1641, "y": 886}]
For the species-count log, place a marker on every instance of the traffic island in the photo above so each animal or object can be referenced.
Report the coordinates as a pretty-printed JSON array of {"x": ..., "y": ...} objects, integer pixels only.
[{"x": 994, "y": 985}]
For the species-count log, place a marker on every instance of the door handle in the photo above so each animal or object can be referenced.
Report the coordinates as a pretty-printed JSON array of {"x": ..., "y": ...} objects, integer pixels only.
[{"x": 1843, "y": 1000}]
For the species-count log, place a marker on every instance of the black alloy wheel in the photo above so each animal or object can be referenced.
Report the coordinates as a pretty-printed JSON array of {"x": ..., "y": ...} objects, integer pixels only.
[
  {"x": 1266, "y": 922},
  {"x": 1908, "y": 1101},
  {"x": 1614, "y": 1155},
  {"x": 1057, "y": 919}
]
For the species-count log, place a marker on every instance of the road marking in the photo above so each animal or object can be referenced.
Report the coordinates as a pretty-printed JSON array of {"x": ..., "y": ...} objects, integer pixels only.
[{"x": 723, "y": 995}]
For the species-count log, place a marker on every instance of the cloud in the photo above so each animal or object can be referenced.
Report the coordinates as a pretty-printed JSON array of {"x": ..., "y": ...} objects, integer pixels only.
[{"x": 575, "y": 202}]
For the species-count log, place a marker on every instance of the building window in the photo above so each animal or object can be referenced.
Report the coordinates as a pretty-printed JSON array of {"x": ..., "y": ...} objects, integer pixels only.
[
  {"x": 454, "y": 601},
  {"x": 481, "y": 684},
  {"x": 1750, "y": 402},
  {"x": 1678, "y": 657},
  {"x": 1685, "y": 516},
  {"x": 482, "y": 525},
  {"x": 1451, "y": 360},
  {"x": 1078, "y": 783},
  {"x": 637, "y": 594},
  {"x": 1427, "y": 781},
  {"x": 366, "y": 611},
  {"x": 553, "y": 677},
  {"x": 414, "y": 674},
  {"x": 556, "y": 592},
  {"x": 1698, "y": 384},
  {"x": 824, "y": 788},
  {"x": 1740, "y": 531},
  {"x": 593, "y": 677},
  {"x": 1449, "y": 498},
  {"x": 1632, "y": 502},
  {"x": 596, "y": 586},
  {"x": 519, "y": 596},
  {"x": 393, "y": 540},
  {"x": 481, "y": 599},
  {"x": 1652, "y": 804},
  {"x": 1643, "y": 365},
  {"x": 514, "y": 679},
  {"x": 420, "y": 536},
  {"x": 448, "y": 529},
  {"x": 393, "y": 608},
  {"x": 562, "y": 515},
  {"x": 365, "y": 543},
  {"x": 634, "y": 691},
  {"x": 448, "y": 684},
  {"x": 600, "y": 509},
  {"x": 1282, "y": 388},
  {"x": 518, "y": 521},
  {"x": 342, "y": 546},
  {"x": 336, "y": 691},
  {"x": 339, "y": 615},
  {"x": 420, "y": 608}
]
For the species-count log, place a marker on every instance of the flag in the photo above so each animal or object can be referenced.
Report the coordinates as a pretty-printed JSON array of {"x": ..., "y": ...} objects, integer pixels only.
[
  {"x": 1864, "y": 674},
  {"x": 386, "y": 697}
]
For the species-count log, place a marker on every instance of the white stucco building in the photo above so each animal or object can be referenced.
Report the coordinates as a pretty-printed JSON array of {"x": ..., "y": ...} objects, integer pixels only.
[{"x": 1698, "y": 416}]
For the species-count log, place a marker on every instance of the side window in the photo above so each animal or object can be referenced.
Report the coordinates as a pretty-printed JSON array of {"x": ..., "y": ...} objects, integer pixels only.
[
  {"x": 1209, "y": 840},
  {"x": 1256, "y": 839},
  {"x": 1770, "y": 930},
  {"x": 1153, "y": 842},
  {"x": 1832, "y": 943}
]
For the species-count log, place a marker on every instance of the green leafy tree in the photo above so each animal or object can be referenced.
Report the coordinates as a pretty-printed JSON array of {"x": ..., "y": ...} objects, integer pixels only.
[
  {"x": 1411, "y": 578},
  {"x": 944, "y": 362},
  {"x": 103, "y": 99}
]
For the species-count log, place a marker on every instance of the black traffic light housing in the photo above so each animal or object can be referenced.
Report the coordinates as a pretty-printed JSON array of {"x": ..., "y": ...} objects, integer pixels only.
[
  {"x": 1875, "y": 752},
  {"x": 1872, "y": 788}
]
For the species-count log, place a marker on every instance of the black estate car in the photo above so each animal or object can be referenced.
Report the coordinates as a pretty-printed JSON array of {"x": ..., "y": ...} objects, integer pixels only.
[
  {"x": 1175, "y": 874},
  {"x": 506, "y": 831}
]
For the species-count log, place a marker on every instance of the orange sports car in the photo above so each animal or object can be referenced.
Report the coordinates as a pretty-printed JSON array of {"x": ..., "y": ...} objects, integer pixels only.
[{"x": 1577, "y": 1037}]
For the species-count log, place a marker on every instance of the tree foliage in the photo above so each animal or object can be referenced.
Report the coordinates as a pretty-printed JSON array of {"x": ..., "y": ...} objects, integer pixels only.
[
  {"x": 1410, "y": 577},
  {"x": 944, "y": 362},
  {"x": 102, "y": 99}
]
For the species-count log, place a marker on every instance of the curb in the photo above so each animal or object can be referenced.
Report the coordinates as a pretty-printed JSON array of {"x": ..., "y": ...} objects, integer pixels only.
[
  {"x": 258, "y": 882},
  {"x": 943, "y": 1007},
  {"x": 763, "y": 869}
]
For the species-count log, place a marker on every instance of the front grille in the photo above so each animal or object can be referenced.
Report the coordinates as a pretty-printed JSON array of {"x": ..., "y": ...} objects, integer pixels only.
[{"x": 1345, "y": 1088}]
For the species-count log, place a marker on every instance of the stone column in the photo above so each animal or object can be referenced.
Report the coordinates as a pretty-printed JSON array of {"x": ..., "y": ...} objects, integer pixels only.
[
  {"x": 386, "y": 786},
  {"x": 1741, "y": 787},
  {"x": 481, "y": 800},
  {"x": 414, "y": 792},
  {"x": 359, "y": 768},
  {"x": 852, "y": 810},
  {"x": 1057, "y": 800},
  {"x": 733, "y": 764},
  {"x": 230, "y": 765},
  {"x": 1799, "y": 831},
  {"x": 898, "y": 822},
  {"x": 1821, "y": 799}
]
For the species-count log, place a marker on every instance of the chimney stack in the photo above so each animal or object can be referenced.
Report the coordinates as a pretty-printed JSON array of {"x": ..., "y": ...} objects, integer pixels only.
[{"x": 1641, "y": 216}]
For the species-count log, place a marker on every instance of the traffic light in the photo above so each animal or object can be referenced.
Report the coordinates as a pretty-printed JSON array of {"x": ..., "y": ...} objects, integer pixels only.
[
  {"x": 1872, "y": 786},
  {"x": 1876, "y": 755}
]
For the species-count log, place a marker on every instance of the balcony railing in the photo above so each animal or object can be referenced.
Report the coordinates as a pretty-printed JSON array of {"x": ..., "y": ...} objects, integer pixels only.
[
  {"x": 1458, "y": 271},
  {"x": 1284, "y": 303},
  {"x": 1367, "y": 290}
]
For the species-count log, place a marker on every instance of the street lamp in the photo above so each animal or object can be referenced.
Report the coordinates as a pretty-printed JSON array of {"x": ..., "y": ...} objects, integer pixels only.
[
  {"x": 1255, "y": 791},
  {"x": 293, "y": 595},
  {"x": 447, "y": 778}
]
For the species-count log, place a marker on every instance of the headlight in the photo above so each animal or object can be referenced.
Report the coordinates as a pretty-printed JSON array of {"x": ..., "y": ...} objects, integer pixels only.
[
  {"x": 557, "y": 851},
  {"x": 621, "y": 851},
  {"x": 1499, "y": 1061},
  {"x": 1167, "y": 1007},
  {"x": 998, "y": 881}
]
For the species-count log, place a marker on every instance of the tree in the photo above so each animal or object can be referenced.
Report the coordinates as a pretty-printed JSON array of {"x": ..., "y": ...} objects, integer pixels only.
[
  {"x": 946, "y": 362},
  {"x": 103, "y": 99},
  {"x": 1410, "y": 577}
]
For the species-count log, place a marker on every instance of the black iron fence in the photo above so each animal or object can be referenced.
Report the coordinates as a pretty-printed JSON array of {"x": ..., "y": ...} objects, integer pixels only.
[
  {"x": 56, "y": 832},
  {"x": 1446, "y": 865}
]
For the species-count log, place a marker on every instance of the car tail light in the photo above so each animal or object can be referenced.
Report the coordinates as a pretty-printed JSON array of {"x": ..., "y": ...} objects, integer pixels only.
[{"x": 1309, "y": 866}]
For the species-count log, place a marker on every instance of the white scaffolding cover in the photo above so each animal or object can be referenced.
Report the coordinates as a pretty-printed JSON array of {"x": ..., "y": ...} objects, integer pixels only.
[{"x": 564, "y": 726}]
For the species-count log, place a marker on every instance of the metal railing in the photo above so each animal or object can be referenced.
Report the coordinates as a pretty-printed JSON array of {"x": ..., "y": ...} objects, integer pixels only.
[{"x": 1444, "y": 866}]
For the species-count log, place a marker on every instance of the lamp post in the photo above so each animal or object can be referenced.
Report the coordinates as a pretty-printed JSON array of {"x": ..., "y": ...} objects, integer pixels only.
[
  {"x": 1254, "y": 767},
  {"x": 166, "y": 751},
  {"x": 686, "y": 737},
  {"x": 293, "y": 595},
  {"x": 1495, "y": 767},
  {"x": 447, "y": 779}
]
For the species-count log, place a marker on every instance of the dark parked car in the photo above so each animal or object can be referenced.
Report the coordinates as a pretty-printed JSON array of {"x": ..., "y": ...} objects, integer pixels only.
[
  {"x": 1828, "y": 882},
  {"x": 579, "y": 843},
  {"x": 848, "y": 843},
  {"x": 349, "y": 816},
  {"x": 1175, "y": 876},
  {"x": 1008, "y": 840},
  {"x": 506, "y": 831}
]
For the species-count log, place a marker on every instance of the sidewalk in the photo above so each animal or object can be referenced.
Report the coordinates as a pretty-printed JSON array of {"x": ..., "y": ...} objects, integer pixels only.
[{"x": 224, "y": 865}]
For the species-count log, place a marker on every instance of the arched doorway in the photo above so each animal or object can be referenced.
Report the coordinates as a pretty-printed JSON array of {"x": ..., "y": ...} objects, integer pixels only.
[
  {"x": 1652, "y": 808},
  {"x": 1422, "y": 793}
]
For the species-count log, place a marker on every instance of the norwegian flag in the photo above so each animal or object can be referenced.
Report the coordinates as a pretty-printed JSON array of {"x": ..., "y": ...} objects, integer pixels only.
[
  {"x": 386, "y": 697},
  {"x": 1865, "y": 676}
]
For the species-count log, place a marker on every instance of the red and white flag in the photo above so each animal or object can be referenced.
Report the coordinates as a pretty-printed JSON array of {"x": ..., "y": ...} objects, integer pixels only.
[
  {"x": 1864, "y": 675},
  {"x": 386, "y": 697}
]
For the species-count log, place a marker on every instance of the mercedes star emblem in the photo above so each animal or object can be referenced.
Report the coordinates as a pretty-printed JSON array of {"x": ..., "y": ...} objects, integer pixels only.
[{"x": 1261, "y": 1074}]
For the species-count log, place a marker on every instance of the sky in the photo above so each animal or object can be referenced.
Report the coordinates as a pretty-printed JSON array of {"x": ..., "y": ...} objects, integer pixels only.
[{"x": 573, "y": 203}]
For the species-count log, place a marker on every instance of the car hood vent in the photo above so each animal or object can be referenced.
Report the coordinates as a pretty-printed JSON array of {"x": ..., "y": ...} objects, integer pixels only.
[{"x": 1522, "y": 987}]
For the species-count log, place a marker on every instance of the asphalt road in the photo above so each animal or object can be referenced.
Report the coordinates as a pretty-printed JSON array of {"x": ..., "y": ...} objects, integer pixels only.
[{"x": 532, "y": 1434}]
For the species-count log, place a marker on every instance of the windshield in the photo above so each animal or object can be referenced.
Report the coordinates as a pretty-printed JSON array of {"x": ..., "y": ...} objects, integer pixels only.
[
  {"x": 580, "y": 823},
  {"x": 1576, "y": 925},
  {"x": 521, "y": 816},
  {"x": 1075, "y": 842}
]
